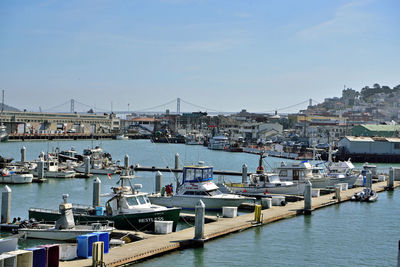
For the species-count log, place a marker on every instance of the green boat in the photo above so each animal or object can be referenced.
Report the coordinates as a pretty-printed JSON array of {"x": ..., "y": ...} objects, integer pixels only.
[{"x": 127, "y": 208}]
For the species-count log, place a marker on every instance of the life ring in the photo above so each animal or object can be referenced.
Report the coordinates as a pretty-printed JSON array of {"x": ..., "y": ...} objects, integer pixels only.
[{"x": 260, "y": 168}]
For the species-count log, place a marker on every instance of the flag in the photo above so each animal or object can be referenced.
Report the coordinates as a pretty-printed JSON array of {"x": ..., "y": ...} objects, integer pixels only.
[{"x": 109, "y": 176}]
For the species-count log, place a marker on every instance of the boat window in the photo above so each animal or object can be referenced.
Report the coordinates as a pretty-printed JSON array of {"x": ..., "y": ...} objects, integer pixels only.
[
  {"x": 141, "y": 200},
  {"x": 283, "y": 173},
  {"x": 201, "y": 193},
  {"x": 198, "y": 173},
  {"x": 132, "y": 201},
  {"x": 189, "y": 174},
  {"x": 189, "y": 193},
  {"x": 146, "y": 199},
  {"x": 214, "y": 192}
]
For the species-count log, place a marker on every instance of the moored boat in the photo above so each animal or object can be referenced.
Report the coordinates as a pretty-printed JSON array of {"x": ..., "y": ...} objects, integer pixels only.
[
  {"x": 197, "y": 185},
  {"x": 128, "y": 208},
  {"x": 15, "y": 175}
]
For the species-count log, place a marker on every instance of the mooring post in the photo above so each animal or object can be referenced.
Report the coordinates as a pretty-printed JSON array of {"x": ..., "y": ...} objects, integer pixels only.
[
  {"x": 390, "y": 182},
  {"x": 244, "y": 173},
  {"x": 158, "y": 181},
  {"x": 87, "y": 166},
  {"x": 23, "y": 154},
  {"x": 398, "y": 254},
  {"x": 369, "y": 180},
  {"x": 6, "y": 204},
  {"x": 126, "y": 162},
  {"x": 40, "y": 169},
  {"x": 96, "y": 192},
  {"x": 338, "y": 190},
  {"x": 199, "y": 220},
  {"x": 307, "y": 197},
  {"x": 176, "y": 161}
]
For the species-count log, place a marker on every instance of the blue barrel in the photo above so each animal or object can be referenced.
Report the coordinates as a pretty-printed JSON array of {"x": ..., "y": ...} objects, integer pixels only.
[
  {"x": 85, "y": 243},
  {"x": 105, "y": 237},
  {"x": 39, "y": 256}
]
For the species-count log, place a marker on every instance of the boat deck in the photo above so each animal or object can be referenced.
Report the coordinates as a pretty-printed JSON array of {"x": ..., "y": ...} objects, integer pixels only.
[{"x": 156, "y": 245}]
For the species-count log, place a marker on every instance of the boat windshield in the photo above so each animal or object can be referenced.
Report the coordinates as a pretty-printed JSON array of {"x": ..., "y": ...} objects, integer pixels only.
[
  {"x": 214, "y": 192},
  {"x": 132, "y": 201},
  {"x": 141, "y": 199}
]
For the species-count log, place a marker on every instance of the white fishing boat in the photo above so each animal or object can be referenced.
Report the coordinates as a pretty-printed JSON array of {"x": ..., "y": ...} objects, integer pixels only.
[
  {"x": 64, "y": 228},
  {"x": 263, "y": 183},
  {"x": 299, "y": 172},
  {"x": 52, "y": 169},
  {"x": 219, "y": 143},
  {"x": 197, "y": 185},
  {"x": 3, "y": 133},
  {"x": 100, "y": 162},
  {"x": 49, "y": 231},
  {"x": 15, "y": 175}
]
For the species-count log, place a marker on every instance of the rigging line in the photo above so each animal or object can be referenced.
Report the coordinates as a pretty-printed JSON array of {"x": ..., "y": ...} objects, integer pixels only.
[
  {"x": 57, "y": 106},
  {"x": 158, "y": 106},
  {"x": 316, "y": 101},
  {"x": 294, "y": 105},
  {"x": 200, "y": 106},
  {"x": 291, "y": 106}
]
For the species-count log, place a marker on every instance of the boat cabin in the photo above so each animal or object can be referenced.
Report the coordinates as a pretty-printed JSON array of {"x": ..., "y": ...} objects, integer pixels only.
[
  {"x": 299, "y": 171},
  {"x": 197, "y": 181},
  {"x": 197, "y": 174}
]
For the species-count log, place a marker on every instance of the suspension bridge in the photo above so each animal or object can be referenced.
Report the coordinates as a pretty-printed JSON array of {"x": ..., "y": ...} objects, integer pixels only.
[{"x": 175, "y": 106}]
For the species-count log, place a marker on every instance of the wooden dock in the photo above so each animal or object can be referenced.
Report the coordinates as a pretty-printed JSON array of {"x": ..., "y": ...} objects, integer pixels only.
[{"x": 156, "y": 245}]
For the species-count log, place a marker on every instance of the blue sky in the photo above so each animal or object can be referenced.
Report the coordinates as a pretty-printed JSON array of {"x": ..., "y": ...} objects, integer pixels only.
[{"x": 220, "y": 55}]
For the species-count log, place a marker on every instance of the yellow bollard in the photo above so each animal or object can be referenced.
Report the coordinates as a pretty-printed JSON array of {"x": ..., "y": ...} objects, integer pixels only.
[
  {"x": 98, "y": 254},
  {"x": 257, "y": 213}
]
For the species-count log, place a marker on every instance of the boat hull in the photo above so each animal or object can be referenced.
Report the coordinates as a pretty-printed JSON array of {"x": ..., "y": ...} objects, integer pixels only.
[
  {"x": 62, "y": 175},
  {"x": 52, "y": 234},
  {"x": 137, "y": 221},
  {"x": 188, "y": 202},
  {"x": 242, "y": 189},
  {"x": 16, "y": 179},
  {"x": 97, "y": 171}
]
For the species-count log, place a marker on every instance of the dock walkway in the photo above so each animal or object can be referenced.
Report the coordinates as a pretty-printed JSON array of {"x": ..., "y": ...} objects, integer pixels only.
[{"x": 156, "y": 245}]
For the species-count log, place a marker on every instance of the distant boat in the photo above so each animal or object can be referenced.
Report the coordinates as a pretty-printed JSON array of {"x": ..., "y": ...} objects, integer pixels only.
[
  {"x": 3, "y": 133},
  {"x": 219, "y": 143},
  {"x": 122, "y": 137},
  {"x": 15, "y": 175}
]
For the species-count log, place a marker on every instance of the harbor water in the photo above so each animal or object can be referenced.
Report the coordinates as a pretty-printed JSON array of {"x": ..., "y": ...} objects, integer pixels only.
[{"x": 349, "y": 234}]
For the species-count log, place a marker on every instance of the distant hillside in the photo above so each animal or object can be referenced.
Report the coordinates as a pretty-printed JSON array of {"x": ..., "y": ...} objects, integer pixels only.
[{"x": 9, "y": 108}]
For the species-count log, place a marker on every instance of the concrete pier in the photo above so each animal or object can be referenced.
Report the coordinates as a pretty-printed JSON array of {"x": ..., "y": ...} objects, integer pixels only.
[
  {"x": 87, "y": 166},
  {"x": 308, "y": 197},
  {"x": 156, "y": 245},
  {"x": 158, "y": 182},
  {"x": 96, "y": 192},
  {"x": 40, "y": 169},
  {"x": 200, "y": 211},
  {"x": 176, "y": 161},
  {"x": 244, "y": 174},
  {"x": 6, "y": 205},
  {"x": 23, "y": 154}
]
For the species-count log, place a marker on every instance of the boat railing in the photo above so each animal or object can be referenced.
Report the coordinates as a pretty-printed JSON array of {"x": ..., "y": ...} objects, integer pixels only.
[{"x": 44, "y": 210}]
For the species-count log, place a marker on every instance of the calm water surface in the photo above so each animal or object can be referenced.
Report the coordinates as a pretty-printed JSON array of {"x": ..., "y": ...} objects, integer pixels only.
[{"x": 362, "y": 234}]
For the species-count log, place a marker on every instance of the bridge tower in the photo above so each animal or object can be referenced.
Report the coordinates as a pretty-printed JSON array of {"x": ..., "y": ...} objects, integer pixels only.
[
  {"x": 72, "y": 106},
  {"x": 178, "y": 105}
]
